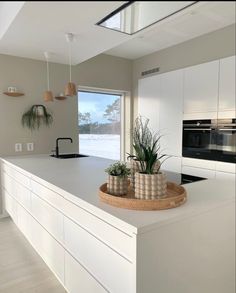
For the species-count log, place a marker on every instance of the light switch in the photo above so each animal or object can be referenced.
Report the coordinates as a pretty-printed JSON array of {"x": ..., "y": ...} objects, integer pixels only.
[
  {"x": 18, "y": 147},
  {"x": 30, "y": 146}
]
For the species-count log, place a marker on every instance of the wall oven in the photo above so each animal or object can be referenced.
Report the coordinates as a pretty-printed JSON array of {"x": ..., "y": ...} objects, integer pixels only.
[
  {"x": 226, "y": 140},
  {"x": 199, "y": 139},
  {"x": 210, "y": 139}
]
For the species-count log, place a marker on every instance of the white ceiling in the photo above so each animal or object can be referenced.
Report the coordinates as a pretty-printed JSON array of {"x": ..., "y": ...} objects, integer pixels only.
[
  {"x": 41, "y": 26},
  {"x": 201, "y": 18}
]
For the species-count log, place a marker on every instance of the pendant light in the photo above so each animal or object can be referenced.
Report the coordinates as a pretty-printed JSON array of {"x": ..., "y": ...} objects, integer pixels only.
[
  {"x": 47, "y": 96},
  {"x": 70, "y": 89}
]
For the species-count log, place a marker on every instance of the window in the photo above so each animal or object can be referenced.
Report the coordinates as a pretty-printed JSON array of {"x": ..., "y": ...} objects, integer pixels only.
[{"x": 100, "y": 124}]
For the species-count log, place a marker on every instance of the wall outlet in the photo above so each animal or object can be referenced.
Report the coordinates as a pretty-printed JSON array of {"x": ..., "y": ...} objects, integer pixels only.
[
  {"x": 18, "y": 147},
  {"x": 30, "y": 146}
]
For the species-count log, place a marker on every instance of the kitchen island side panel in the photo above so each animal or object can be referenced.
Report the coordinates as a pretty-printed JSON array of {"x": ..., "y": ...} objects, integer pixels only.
[{"x": 189, "y": 256}]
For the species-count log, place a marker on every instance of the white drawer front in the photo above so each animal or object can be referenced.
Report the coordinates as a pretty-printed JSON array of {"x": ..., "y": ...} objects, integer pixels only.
[
  {"x": 47, "y": 216},
  {"x": 119, "y": 241},
  {"x": 9, "y": 184},
  {"x": 226, "y": 167},
  {"x": 77, "y": 279},
  {"x": 24, "y": 222},
  {"x": 226, "y": 176},
  {"x": 107, "y": 266},
  {"x": 19, "y": 176},
  {"x": 198, "y": 172},
  {"x": 198, "y": 163},
  {"x": 17, "y": 190},
  {"x": 23, "y": 196},
  {"x": 7, "y": 201},
  {"x": 48, "y": 195},
  {"x": 10, "y": 205},
  {"x": 48, "y": 248}
]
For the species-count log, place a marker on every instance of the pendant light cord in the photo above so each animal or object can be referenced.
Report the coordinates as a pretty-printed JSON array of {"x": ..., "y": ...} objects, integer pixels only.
[
  {"x": 70, "y": 58},
  {"x": 48, "y": 75}
]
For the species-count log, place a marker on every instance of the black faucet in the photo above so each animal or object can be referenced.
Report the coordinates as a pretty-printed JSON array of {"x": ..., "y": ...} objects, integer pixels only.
[{"x": 61, "y": 138}]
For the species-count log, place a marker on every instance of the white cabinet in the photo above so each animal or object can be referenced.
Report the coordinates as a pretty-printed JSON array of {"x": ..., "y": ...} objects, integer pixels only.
[
  {"x": 172, "y": 164},
  {"x": 149, "y": 95},
  {"x": 209, "y": 169},
  {"x": 198, "y": 163},
  {"x": 226, "y": 167},
  {"x": 77, "y": 279},
  {"x": 48, "y": 217},
  {"x": 171, "y": 112},
  {"x": 119, "y": 241},
  {"x": 9, "y": 204},
  {"x": 201, "y": 89},
  {"x": 200, "y": 172},
  {"x": 161, "y": 100},
  {"x": 225, "y": 176},
  {"x": 227, "y": 87},
  {"x": 98, "y": 258},
  {"x": 48, "y": 248},
  {"x": 24, "y": 222}
]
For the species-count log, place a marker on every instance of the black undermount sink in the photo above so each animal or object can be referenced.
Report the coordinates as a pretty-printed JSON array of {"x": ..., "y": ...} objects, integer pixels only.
[{"x": 69, "y": 156}]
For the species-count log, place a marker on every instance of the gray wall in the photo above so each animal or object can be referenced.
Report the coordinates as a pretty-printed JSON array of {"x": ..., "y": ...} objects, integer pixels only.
[
  {"x": 29, "y": 76},
  {"x": 105, "y": 71},
  {"x": 212, "y": 46}
]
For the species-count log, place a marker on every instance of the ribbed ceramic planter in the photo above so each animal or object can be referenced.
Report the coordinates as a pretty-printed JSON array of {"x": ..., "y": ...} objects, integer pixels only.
[
  {"x": 117, "y": 185},
  {"x": 150, "y": 186},
  {"x": 135, "y": 166}
]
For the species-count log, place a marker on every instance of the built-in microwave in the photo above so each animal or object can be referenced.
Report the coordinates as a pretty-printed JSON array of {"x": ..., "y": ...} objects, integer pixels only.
[{"x": 210, "y": 139}]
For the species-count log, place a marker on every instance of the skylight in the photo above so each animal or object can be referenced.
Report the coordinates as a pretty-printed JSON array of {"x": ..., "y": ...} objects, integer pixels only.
[{"x": 137, "y": 15}]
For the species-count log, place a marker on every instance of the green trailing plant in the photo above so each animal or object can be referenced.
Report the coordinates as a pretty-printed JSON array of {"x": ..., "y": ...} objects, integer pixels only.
[
  {"x": 146, "y": 146},
  {"x": 36, "y": 116},
  {"x": 118, "y": 169}
]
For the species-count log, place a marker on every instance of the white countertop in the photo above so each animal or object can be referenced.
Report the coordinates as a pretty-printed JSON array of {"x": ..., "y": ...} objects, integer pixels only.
[{"x": 78, "y": 180}]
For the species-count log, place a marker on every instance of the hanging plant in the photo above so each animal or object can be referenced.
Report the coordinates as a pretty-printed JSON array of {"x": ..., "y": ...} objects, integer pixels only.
[{"x": 36, "y": 116}]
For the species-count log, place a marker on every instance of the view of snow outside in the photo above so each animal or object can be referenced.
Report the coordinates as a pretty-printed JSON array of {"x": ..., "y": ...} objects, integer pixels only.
[
  {"x": 100, "y": 145},
  {"x": 99, "y": 124}
]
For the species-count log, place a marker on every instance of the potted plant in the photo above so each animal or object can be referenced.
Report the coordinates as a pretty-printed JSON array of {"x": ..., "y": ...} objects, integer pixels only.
[
  {"x": 117, "y": 183},
  {"x": 148, "y": 181},
  {"x": 36, "y": 116}
]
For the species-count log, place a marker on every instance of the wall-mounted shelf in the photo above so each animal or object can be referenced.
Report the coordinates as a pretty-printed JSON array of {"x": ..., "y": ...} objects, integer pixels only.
[
  {"x": 15, "y": 94},
  {"x": 60, "y": 98}
]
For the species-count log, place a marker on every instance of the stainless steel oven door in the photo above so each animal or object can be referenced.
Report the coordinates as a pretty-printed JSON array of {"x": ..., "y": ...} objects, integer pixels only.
[
  {"x": 226, "y": 141},
  {"x": 199, "y": 139}
]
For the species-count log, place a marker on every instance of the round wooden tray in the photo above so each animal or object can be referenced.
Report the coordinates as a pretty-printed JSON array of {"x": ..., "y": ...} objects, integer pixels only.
[{"x": 176, "y": 196}]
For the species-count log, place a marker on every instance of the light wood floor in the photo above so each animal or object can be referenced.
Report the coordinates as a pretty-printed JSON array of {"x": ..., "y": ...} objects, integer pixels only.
[{"x": 21, "y": 268}]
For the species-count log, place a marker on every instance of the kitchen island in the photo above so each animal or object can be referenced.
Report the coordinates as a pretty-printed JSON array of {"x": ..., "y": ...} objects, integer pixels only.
[{"x": 93, "y": 247}]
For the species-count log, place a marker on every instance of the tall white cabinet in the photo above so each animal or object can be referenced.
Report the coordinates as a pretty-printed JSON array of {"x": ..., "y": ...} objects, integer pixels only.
[
  {"x": 227, "y": 88},
  {"x": 201, "y": 90},
  {"x": 161, "y": 100},
  {"x": 149, "y": 99},
  {"x": 204, "y": 91}
]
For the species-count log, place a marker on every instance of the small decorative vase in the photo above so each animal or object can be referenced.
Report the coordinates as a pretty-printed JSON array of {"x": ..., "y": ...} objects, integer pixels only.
[
  {"x": 135, "y": 166},
  {"x": 150, "y": 186},
  {"x": 117, "y": 185}
]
